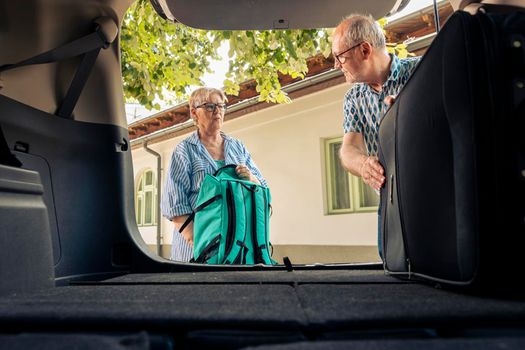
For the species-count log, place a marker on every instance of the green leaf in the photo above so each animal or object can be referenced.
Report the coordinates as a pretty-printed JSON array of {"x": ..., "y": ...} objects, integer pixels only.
[{"x": 290, "y": 47}]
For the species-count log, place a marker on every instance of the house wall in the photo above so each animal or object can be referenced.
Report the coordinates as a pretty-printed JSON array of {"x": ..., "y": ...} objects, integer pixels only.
[{"x": 286, "y": 143}]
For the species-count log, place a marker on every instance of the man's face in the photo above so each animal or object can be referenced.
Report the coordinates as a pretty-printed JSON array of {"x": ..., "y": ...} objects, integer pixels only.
[{"x": 349, "y": 67}]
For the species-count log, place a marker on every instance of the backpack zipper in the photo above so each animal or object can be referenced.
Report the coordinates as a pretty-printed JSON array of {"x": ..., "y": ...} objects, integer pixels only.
[
  {"x": 206, "y": 253},
  {"x": 230, "y": 232},
  {"x": 256, "y": 248}
]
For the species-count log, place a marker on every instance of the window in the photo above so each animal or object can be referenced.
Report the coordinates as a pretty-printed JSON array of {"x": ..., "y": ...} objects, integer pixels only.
[
  {"x": 345, "y": 193},
  {"x": 146, "y": 199}
]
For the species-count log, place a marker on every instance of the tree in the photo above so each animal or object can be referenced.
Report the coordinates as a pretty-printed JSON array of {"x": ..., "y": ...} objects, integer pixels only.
[{"x": 160, "y": 56}]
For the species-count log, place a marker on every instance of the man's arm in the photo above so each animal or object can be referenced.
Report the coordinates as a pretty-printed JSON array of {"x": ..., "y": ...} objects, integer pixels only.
[
  {"x": 355, "y": 160},
  {"x": 188, "y": 230}
]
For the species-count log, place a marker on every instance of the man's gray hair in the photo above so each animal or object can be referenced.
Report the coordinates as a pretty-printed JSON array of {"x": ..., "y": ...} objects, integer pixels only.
[
  {"x": 363, "y": 28},
  {"x": 201, "y": 95}
]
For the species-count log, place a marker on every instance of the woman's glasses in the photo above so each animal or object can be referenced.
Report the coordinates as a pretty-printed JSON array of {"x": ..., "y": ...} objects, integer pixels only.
[{"x": 210, "y": 107}]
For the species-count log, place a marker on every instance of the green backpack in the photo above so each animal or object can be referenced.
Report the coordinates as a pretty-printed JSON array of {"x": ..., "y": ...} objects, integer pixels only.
[{"x": 231, "y": 221}]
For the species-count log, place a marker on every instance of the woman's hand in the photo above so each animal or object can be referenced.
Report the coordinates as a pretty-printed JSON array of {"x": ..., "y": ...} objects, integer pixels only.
[
  {"x": 244, "y": 173},
  {"x": 187, "y": 233}
]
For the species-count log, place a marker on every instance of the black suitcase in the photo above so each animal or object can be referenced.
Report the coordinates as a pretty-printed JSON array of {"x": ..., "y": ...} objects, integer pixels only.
[{"x": 453, "y": 148}]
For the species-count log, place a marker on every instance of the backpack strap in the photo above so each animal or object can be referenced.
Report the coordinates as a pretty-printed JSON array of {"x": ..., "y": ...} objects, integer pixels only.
[
  {"x": 224, "y": 168},
  {"x": 256, "y": 248},
  {"x": 90, "y": 45},
  {"x": 200, "y": 207}
]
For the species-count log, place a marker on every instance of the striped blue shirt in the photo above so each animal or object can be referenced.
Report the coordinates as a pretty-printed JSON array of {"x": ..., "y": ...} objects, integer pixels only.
[
  {"x": 364, "y": 107},
  {"x": 190, "y": 163}
]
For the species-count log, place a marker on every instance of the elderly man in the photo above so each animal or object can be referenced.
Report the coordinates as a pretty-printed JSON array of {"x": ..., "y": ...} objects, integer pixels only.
[{"x": 359, "y": 48}]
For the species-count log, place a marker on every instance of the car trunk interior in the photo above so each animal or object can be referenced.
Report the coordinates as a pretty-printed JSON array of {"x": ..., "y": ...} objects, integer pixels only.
[{"x": 75, "y": 271}]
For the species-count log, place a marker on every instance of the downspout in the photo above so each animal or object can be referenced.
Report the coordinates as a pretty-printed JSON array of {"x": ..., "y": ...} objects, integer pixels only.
[
  {"x": 157, "y": 212},
  {"x": 436, "y": 16}
]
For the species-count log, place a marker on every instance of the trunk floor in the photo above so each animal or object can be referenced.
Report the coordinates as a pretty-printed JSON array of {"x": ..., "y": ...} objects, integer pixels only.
[{"x": 322, "y": 301}]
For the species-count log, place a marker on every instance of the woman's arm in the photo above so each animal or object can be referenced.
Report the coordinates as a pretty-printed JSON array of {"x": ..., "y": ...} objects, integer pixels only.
[
  {"x": 175, "y": 197},
  {"x": 187, "y": 233}
]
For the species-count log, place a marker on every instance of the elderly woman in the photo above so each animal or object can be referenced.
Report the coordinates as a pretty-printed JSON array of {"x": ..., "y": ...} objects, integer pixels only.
[{"x": 203, "y": 152}]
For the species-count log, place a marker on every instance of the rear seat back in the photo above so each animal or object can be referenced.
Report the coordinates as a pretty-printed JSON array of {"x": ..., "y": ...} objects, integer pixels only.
[{"x": 26, "y": 254}]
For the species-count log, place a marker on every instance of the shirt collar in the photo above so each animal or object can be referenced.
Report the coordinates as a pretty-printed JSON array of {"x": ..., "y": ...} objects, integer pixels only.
[
  {"x": 394, "y": 69},
  {"x": 395, "y": 66},
  {"x": 194, "y": 138}
]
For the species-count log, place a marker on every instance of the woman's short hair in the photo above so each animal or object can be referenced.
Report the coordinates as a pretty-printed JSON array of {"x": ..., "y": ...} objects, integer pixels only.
[
  {"x": 363, "y": 28},
  {"x": 201, "y": 95}
]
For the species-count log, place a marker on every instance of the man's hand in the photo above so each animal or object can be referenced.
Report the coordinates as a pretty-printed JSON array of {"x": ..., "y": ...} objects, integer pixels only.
[
  {"x": 372, "y": 173},
  {"x": 354, "y": 159},
  {"x": 390, "y": 99}
]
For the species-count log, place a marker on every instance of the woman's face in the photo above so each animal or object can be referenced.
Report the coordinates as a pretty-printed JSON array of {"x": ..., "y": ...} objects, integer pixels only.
[{"x": 206, "y": 119}]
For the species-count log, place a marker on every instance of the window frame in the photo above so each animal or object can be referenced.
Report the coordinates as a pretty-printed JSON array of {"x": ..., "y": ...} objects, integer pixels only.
[
  {"x": 356, "y": 185},
  {"x": 140, "y": 196}
]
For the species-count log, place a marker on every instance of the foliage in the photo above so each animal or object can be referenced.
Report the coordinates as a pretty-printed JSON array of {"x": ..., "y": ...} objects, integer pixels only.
[
  {"x": 394, "y": 48},
  {"x": 159, "y": 56},
  {"x": 160, "y": 59},
  {"x": 266, "y": 54}
]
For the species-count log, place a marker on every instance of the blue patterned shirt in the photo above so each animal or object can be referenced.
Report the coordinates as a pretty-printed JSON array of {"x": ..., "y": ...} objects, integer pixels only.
[
  {"x": 190, "y": 163},
  {"x": 364, "y": 107}
]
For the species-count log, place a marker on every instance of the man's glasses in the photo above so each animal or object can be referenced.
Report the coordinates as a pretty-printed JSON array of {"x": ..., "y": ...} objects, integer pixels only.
[
  {"x": 210, "y": 107},
  {"x": 342, "y": 59}
]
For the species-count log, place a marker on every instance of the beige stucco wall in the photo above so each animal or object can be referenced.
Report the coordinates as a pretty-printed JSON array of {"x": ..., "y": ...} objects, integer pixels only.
[{"x": 286, "y": 143}]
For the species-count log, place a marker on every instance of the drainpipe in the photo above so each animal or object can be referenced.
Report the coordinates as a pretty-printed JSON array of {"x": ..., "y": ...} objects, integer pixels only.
[
  {"x": 157, "y": 212},
  {"x": 436, "y": 16}
]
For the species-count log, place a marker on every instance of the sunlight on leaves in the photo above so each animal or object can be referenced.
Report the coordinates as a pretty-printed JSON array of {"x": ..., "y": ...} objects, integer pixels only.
[{"x": 162, "y": 60}]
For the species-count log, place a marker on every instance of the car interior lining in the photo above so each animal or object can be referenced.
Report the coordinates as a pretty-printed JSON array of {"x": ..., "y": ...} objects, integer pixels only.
[{"x": 74, "y": 270}]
